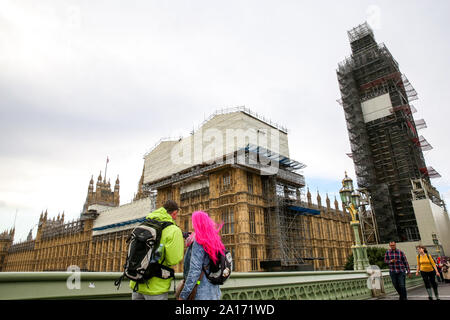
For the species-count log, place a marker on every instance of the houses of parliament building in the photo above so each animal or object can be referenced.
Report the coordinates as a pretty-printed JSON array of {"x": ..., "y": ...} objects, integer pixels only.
[{"x": 267, "y": 224}]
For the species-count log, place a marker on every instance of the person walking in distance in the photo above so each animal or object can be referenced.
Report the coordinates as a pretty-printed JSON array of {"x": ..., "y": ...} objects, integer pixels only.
[
  {"x": 428, "y": 271},
  {"x": 446, "y": 269},
  {"x": 172, "y": 244},
  {"x": 398, "y": 268},
  {"x": 439, "y": 267}
]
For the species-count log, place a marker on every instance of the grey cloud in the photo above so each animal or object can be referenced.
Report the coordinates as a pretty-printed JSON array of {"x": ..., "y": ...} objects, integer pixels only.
[{"x": 99, "y": 78}]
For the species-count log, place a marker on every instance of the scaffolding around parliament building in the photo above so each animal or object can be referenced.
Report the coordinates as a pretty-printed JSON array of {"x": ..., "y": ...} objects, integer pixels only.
[
  {"x": 273, "y": 200},
  {"x": 262, "y": 212},
  {"x": 386, "y": 149},
  {"x": 288, "y": 234}
]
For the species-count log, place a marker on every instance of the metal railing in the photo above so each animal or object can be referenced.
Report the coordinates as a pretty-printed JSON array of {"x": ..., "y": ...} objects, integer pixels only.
[{"x": 318, "y": 285}]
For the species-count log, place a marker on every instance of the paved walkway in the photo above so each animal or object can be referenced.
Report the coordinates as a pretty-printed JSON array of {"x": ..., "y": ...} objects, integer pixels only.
[{"x": 420, "y": 293}]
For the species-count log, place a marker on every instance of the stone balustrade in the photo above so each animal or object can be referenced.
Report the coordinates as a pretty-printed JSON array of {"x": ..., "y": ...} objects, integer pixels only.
[{"x": 319, "y": 285}]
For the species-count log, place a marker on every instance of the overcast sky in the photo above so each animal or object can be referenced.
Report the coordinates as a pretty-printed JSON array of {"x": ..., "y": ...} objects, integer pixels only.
[{"x": 84, "y": 80}]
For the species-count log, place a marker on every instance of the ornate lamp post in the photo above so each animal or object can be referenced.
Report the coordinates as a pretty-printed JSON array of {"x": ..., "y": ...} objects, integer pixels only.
[
  {"x": 352, "y": 200},
  {"x": 436, "y": 243}
]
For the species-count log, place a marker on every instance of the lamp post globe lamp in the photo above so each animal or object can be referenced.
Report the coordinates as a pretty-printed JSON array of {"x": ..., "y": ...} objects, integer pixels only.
[
  {"x": 345, "y": 195},
  {"x": 356, "y": 199}
]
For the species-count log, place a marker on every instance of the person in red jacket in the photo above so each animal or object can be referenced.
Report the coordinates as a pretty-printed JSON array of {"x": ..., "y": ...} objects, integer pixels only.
[{"x": 439, "y": 267}]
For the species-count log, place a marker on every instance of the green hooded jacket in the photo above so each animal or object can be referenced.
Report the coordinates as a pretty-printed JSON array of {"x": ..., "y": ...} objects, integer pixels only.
[{"x": 173, "y": 249}]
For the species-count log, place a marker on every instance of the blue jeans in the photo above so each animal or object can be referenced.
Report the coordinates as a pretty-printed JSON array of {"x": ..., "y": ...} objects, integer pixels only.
[
  {"x": 193, "y": 268},
  {"x": 399, "y": 282}
]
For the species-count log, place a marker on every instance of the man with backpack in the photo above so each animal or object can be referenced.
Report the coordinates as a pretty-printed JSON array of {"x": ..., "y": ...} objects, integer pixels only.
[{"x": 169, "y": 253}]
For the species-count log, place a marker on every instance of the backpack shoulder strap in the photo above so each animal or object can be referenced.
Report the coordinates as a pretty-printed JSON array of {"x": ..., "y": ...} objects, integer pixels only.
[
  {"x": 162, "y": 224},
  {"x": 165, "y": 224}
]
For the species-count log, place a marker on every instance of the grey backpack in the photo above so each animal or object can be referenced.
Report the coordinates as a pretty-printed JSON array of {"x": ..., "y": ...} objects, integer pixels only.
[{"x": 144, "y": 252}]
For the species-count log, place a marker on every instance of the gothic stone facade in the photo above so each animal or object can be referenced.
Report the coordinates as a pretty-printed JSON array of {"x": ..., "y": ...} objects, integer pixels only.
[{"x": 234, "y": 197}]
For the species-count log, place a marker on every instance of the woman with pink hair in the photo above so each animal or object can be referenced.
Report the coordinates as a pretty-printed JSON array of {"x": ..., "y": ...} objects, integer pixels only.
[{"x": 206, "y": 246}]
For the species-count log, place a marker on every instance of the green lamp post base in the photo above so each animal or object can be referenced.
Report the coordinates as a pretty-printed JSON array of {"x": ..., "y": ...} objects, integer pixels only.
[{"x": 360, "y": 258}]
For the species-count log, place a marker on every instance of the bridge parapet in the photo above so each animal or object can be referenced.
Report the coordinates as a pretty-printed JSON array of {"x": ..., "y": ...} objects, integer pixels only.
[{"x": 319, "y": 285}]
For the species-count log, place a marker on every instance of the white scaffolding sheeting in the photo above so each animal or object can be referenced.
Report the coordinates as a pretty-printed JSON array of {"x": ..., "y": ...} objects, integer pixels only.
[
  {"x": 223, "y": 134},
  {"x": 420, "y": 124}
]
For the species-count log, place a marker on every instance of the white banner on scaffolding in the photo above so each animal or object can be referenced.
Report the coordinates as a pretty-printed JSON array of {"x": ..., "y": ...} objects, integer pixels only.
[{"x": 377, "y": 108}]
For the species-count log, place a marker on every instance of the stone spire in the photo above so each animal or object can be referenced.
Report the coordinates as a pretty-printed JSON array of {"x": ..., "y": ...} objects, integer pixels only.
[
  {"x": 319, "y": 199},
  {"x": 30, "y": 235},
  {"x": 140, "y": 192},
  {"x": 91, "y": 184},
  {"x": 116, "y": 191},
  {"x": 328, "y": 202}
]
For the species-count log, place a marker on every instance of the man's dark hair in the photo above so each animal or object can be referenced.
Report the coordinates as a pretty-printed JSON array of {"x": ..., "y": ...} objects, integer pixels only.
[{"x": 170, "y": 206}]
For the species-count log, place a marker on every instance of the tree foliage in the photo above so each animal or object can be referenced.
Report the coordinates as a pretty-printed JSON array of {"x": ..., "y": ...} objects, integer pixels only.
[{"x": 376, "y": 258}]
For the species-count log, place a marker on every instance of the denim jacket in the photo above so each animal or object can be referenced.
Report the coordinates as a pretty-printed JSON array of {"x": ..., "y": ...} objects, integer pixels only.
[{"x": 194, "y": 259}]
